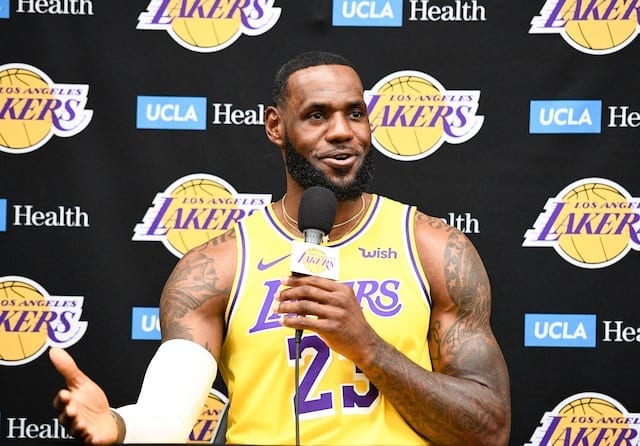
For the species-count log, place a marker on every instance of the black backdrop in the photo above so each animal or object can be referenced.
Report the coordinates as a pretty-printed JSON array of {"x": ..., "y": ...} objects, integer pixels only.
[{"x": 500, "y": 180}]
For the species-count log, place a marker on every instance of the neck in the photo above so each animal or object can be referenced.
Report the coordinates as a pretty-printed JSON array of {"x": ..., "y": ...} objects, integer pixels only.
[{"x": 348, "y": 214}]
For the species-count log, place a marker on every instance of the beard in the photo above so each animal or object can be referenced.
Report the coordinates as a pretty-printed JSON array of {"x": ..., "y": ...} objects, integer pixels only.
[{"x": 306, "y": 175}]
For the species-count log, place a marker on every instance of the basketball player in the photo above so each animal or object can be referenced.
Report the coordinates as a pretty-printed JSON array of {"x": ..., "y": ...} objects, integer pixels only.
[{"x": 398, "y": 351}]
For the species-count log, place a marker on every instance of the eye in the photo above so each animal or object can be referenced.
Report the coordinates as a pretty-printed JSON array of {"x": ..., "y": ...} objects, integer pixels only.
[{"x": 315, "y": 116}]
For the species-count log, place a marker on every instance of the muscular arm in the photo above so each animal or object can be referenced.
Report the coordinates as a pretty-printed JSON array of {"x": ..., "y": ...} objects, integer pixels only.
[
  {"x": 466, "y": 399},
  {"x": 194, "y": 298}
]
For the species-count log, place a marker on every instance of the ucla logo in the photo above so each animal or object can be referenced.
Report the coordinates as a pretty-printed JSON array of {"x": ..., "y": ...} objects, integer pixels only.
[
  {"x": 367, "y": 13},
  {"x": 193, "y": 210},
  {"x": 3, "y": 214},
  {"x": 592, "y": 223},
  {"x": 145, "y": 323},
  {"x": 591, "y": 27},
  {"x": 172, "y": 112},
  {"x": 560, "y": 330},
  {"x": 206, "y": 26},
  {"x": 574, "y": 116},
  {"x": 412, "y": 115},
  {"x": 4, "y": 9}
]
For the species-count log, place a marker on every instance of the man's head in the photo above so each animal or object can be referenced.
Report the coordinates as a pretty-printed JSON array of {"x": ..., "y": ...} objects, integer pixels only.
[{"x": 319, "y": 120}]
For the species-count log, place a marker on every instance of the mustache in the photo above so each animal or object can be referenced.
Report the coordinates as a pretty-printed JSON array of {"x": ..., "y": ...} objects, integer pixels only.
[{"x": 307, "y": 175}]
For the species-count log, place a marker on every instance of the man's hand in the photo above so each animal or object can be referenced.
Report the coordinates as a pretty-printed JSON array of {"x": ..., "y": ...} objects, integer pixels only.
[
  {"x": 332, "y": 311},
  {"x": 83, "y": 406}
]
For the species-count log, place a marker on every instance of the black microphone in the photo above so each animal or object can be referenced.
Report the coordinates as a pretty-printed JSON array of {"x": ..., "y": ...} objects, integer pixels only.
[{"x": 316, "y": 213}]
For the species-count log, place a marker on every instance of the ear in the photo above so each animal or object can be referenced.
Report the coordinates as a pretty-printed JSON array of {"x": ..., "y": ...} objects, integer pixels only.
[{"x": 274, "y": 126}]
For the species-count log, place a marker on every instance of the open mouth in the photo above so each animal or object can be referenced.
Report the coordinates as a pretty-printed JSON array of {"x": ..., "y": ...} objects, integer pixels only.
[{"x": 342, "y": 160}]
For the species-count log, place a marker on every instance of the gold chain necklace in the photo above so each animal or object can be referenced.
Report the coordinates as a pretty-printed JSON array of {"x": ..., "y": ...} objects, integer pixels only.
[{"x": 294, "y": 223}]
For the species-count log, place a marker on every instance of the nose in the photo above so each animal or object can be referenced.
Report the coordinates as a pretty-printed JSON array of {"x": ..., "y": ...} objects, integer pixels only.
[{"x": 339, "y": 128}]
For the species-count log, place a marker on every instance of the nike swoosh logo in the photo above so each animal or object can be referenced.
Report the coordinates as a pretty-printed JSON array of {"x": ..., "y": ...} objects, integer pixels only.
[{"x": 262, "y": 265}]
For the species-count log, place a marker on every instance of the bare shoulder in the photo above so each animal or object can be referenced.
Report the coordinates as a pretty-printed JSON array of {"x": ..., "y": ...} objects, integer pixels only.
[
  {"x": 442, "y": 246},
  {"x": 195, "y": 296},
  {"x": 453, "y": 267},
  {"x": 213, "y": 259}
]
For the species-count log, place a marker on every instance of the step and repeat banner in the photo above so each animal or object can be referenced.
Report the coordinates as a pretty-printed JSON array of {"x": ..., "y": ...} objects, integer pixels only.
[{"x": 131, "y": 131}]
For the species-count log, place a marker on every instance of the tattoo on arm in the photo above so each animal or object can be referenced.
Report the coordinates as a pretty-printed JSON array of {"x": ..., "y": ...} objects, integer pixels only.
[
  {"x": 441, "y": 407},
  {"x": 468, "y": 287},
  {"x": 434, "y": 222},
  {"x": 192, "y": 283}
]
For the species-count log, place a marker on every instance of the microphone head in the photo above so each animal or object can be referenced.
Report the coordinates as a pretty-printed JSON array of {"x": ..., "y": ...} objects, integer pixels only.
[{"x": 317, "y": 209}]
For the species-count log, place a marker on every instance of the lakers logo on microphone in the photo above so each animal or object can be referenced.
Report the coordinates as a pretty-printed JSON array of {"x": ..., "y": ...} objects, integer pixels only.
[
  {"x": 206, "y": 26},
  {"x": 594, "y": 27},
  {"x": 591, "y": 223},
  {"x": 33, "y": 108},
  {"x": 412, "y": 115},
  {"x": 314, "y": 260}
]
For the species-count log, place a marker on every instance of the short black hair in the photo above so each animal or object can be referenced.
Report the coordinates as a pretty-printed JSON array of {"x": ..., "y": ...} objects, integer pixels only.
[{"x": 280, "y": 93}]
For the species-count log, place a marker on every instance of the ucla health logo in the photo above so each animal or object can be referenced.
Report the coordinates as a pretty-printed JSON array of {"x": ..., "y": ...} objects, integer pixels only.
[
  {"x": 33, "y": 108},
  {"x": 591, "y": 27},
  {"x": 171, "y": 112},
  {"x": 568, "y": 116},
  {"x": 193, "y": 210},
  {"x": 367, "y": 13},
  {"x": 32, "y": 320},
  {"x": 206, "y": 26},
  {"x": 591, "y": 223},
  {"x": 587, "y": 419},
  {"x": 412, "y": 115},
  {"x": 560, "y": 330}
]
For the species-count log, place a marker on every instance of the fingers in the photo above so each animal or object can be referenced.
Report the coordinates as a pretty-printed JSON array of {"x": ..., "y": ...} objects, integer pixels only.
[
  {"x": 61, "y": 400},
  {"x": 66, "y": 366},
  {"x": 66, "y": 412},
  {"x": 305, "y": 311},
  {"x": 314, "y": 281},
  {"x": 318, "y": 289}
]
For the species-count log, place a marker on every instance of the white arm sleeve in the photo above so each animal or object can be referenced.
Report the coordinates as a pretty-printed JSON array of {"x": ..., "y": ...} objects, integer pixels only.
[{"x": 174, "y": 390}]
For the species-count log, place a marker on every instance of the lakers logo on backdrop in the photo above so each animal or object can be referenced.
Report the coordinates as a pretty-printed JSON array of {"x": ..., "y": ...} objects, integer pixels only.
[
  {"x": 592, "y": 27},
  {"x": 33, "y": 108},
  {"x": 209, "y": 25},
  {"x": 193, "y": 210},
  {"x": 208, "y": 422},
  {"x": 412, "y": 115},
  {"x": 592, "y": 223},
  {"x": 587, "y": 419},
  {"x": 31, "y": 320}
]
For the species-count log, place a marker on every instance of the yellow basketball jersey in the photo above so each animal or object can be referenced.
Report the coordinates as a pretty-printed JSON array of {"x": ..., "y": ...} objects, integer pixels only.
[{"x": 338, "y": 404}]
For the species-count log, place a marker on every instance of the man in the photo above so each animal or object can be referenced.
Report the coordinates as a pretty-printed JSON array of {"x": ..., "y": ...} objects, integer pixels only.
[{"x": 399, "y": 350}]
